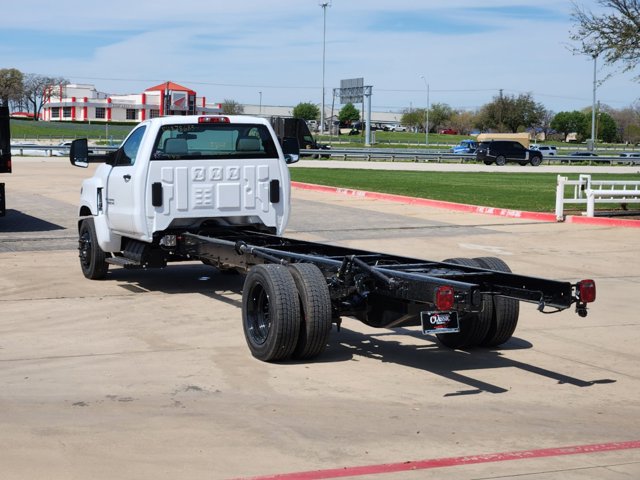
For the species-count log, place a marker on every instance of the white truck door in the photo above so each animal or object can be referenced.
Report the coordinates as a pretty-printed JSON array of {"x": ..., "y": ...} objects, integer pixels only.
[{"x": 123, "y": 185}]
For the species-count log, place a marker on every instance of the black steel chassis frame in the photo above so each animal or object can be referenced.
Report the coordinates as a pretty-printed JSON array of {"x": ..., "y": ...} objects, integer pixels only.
[{"x": 351, "y": 271}]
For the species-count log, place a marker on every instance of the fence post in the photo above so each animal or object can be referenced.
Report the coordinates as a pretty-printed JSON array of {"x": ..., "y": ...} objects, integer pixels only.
[
  {"x": 591, "y": 203},
  {"x": 560, "y": 198}
]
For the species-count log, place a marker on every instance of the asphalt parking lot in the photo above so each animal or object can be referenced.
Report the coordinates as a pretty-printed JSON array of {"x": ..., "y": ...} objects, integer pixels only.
[{"x": 146, "y": 374}]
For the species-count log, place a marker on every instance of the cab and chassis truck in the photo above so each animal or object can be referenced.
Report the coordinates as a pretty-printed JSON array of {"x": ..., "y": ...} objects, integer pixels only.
[{"x": 216, "y": 189}]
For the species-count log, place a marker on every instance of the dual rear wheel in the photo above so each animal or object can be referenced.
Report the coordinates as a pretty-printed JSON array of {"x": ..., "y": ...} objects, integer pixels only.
[
  {"x": 286, "y": 311},
  {"x": 497, "y": 321}
]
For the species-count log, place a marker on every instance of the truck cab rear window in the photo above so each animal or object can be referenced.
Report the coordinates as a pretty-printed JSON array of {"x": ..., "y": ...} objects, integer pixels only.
[{"x": 215, "y": 141}]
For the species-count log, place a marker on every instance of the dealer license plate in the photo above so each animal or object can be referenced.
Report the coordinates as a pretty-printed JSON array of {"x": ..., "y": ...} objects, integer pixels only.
[{"x": 439, "y": 322}]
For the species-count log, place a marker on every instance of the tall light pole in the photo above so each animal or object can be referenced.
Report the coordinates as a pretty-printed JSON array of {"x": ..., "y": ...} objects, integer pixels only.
[
  {"x": 324, "y": 6},
  {"x": 426, "y": 127},
  {"x": 593, "y": 108},
  {"x": 260, "y": 107}
]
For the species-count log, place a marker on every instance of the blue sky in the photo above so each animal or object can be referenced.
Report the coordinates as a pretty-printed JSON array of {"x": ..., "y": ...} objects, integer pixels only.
[{"x": 272, "y": 49}]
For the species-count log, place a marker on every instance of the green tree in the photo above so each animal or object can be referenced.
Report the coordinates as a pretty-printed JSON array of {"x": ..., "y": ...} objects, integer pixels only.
[
  {"x": 439, "y": 116},
  {"x": 606, "y": 128},
  {"x": 570, "y": 122},
  {"x": 348, "y": 114},
  {"x": 11, "y": 85},
  {"x": 508, "y": 112},
  {"x": 413, "y": 118},
  {"x": 231, "y": 107},
  {"x": 613, "y": 35},
  {"x": 306, "y": 111}
]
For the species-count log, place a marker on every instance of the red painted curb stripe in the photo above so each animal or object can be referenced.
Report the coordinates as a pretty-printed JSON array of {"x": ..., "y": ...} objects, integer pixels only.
[
  {"x": 461, "y": 207},
  {"x": 451, "y": 462}
]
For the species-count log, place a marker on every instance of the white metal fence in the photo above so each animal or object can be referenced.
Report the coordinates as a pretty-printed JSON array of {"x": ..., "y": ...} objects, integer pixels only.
[{"x": 588, "y": 192}]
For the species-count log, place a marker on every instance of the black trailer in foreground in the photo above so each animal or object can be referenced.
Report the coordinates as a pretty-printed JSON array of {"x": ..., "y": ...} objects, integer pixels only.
[
  {"x": 5, "y": 153},
  {"x": 295, "y": 290}
]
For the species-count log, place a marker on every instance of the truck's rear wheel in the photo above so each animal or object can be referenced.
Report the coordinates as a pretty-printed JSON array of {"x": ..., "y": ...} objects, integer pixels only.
[
  {"x": 315, "y": 310},
  {"x": 505, "y": 310},
  {"x": 501, "y": 160},
  {"x": 473, "y": 326},
  {"x": 92, "y": 257},
  {"x": 270, "y": 312},
  {"x": 536, "y": 160}
]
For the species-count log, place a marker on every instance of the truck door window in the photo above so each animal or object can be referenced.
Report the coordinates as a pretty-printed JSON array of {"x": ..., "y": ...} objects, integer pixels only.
[{"x": 129, "y": 149}]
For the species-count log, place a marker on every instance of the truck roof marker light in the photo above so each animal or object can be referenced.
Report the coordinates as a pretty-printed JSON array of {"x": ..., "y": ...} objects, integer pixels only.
[
  {"x": 587, "y": 291},
  {"x": 444, "y": 298},
  {"x": 209, "y": 119}
]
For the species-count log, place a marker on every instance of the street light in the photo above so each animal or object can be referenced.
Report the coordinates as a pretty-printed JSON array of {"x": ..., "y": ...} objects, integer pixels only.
[
  {"x": 324, "y": 6},
  {"x": 260, "y": 107},
  {"x": 593, "y": 107},
  {"x": 427, "y": 121}
]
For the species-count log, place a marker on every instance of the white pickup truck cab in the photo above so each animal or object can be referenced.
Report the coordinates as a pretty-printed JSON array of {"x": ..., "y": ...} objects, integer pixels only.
[{"x": 178, "y": 173}]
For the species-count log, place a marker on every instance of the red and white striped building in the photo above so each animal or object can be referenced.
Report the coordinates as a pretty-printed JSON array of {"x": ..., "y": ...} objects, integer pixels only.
[{"x": 83, "y": 103}]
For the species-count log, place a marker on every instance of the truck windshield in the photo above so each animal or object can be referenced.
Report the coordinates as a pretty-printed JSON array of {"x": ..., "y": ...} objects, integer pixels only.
[{"x": 213, "y": 140}]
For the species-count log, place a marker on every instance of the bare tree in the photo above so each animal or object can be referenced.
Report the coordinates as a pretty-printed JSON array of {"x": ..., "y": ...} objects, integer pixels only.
[
  {"x": 36, "y": 88},
  {"x": 231, "y": 107},
  {"x": 614, "y": 36}
]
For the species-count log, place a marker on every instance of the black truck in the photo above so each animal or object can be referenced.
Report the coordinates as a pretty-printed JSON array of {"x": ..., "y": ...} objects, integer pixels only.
[
  {"x": 5, "y": 153},
  {"x": 286, "y": 127}
]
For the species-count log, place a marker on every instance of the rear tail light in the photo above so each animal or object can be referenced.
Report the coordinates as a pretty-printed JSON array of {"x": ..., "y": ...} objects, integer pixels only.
[
  {"x": 444, "y": 298},
  {"x": 587, "y": 291},
  {"x": 213, "y": 120}
]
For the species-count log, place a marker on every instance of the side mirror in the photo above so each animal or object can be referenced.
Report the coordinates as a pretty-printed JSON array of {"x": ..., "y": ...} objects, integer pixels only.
[
  {"x": 291, "y": 149},
  {"x": 79, "y": 153}
]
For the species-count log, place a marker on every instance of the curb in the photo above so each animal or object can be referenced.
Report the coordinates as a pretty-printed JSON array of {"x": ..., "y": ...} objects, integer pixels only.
[{"x": 462, "y": 207}]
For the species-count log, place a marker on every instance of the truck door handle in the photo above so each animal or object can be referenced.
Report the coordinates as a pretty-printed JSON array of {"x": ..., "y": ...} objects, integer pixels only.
[{"x": 126, "y": 177}]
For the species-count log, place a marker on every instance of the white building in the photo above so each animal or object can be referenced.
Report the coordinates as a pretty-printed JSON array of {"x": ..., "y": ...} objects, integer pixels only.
[{"x": 83, "y": 103}]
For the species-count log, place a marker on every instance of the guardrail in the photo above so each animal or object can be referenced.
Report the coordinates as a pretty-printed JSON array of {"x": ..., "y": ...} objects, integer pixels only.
[
  {"x": 588, "y": 191},
  {"x": 367, "y": 154},
  {"x": 423, "y": 155}
]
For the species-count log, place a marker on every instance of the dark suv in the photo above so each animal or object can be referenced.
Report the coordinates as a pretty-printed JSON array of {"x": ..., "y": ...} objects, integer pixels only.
[{"x": 503, "y": 151}]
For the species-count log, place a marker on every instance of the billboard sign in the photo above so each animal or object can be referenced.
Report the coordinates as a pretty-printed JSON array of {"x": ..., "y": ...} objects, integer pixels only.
[{"x": 351, "y": 90}]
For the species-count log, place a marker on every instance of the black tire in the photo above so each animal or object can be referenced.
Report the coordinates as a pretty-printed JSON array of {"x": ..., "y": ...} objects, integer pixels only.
[
  {"x": 315, "y": 310},
  {"x": 501, "y": 160},
  {"x": 523, "y": 163},
  {"x": 488, "y": 162},
  {"x": 92, "y": 257},
  {"x": 505, "y": 310},
  {"x": 473, "y": 326},
  {"x": 270, "y": 312},
  {"x": 536, "y": 160}
]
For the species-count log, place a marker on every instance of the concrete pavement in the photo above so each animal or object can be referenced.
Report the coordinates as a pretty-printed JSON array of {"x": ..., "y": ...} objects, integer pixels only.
[{"x": 146, "y": 374}]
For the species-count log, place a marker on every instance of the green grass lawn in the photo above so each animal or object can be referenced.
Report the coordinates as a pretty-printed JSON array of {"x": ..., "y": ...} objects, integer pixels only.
[{"x": 534, "y": 192}]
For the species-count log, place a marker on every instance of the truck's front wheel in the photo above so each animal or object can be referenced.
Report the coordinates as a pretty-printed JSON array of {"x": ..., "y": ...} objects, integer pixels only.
[
  {"x": 270, "y": 312},
  {"x": 92, "y": 258}
]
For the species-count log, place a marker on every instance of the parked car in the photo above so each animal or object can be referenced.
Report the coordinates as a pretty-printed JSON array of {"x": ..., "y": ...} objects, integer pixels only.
[
  {"x": 448, "y": 131},
  {"x": 397, "y": 128},
  {"x": 632, "y": 157},
  {"x": 546, "y": 150},
  {"x": 583, "y": 154},
  {"x": 465, "y": 146},
  {"x": 503, "y": 151}
]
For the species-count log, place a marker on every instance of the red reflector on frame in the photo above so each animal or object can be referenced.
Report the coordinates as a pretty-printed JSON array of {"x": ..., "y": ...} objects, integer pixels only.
[{"x": 444, "y": 298}]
